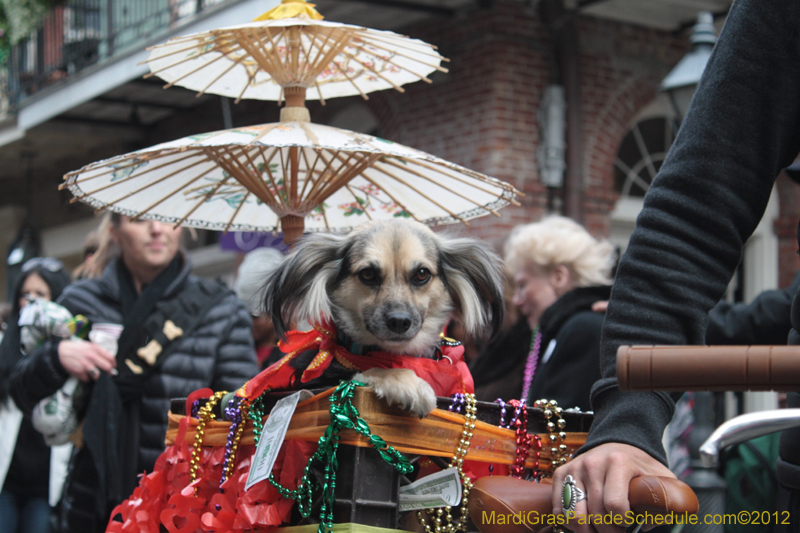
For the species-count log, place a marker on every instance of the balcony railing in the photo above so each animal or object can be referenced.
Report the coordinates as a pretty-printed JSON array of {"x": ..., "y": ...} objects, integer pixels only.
[{"x": 81, "y": 33}]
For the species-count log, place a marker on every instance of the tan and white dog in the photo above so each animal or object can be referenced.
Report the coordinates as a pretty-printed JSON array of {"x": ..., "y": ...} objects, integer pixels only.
[{"x": 391, "y": 286}]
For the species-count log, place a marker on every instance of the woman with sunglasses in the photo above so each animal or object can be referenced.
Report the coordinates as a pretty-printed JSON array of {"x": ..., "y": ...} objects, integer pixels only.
[{"x": 25, "y": 459}]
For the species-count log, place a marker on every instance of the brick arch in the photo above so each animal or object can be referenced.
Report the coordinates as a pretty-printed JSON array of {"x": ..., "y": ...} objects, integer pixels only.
[{"x": 608, "y": 128}]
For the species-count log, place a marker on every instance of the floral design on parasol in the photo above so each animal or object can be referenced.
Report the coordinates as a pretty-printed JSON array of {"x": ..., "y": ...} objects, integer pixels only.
[
  {"x": 333, "y": 178},
  {"x": 290, "y": 46}
]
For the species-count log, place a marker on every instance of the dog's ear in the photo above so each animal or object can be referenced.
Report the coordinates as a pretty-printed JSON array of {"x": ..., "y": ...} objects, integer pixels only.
[
  {"x": 298, "y": 288},
  {"x": 472, "y": 273}
]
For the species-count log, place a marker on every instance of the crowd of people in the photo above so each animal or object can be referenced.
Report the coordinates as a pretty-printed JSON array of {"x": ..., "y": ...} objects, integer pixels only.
[
  {"x": 176, "y": 333},
  {"x": 135, "y": 282}
]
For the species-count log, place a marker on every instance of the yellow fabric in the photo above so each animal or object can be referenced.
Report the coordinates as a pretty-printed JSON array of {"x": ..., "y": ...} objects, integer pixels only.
[{"x": 291, "y": 8}]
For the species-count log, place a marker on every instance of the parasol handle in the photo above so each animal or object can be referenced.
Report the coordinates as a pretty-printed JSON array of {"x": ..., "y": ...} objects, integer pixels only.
[
  {"x": 292, "y": 226},
  {"x": 295, "y": 109},
  {"x": 708, "y": 368}
]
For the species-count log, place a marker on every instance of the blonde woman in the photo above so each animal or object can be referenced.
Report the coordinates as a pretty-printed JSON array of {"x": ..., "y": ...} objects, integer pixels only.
[{"x": 559, "y": 270}]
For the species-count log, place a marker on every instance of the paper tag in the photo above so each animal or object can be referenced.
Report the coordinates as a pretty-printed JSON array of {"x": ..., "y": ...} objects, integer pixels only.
[
  {"x": 271, "y": 439},
  {"x": 436, "y": 490}
]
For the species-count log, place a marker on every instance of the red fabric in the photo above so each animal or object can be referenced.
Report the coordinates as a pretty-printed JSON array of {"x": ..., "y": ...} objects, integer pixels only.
[
  {"x": 447, "y": 376},
  {"x": 167, "y": 498}
]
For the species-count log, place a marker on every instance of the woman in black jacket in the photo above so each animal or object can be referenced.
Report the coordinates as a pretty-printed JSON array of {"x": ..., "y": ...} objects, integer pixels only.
[
  {"x": 146, "y": 287},
  {"x": 559, "y": 271},
  {"x": 25, "y": 464}
]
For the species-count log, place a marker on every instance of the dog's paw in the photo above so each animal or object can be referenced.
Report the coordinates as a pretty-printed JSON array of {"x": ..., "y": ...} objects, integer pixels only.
[{"x": 400, "y": 387}]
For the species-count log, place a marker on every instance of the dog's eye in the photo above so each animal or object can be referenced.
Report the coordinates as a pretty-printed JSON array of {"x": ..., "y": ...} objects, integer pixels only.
[
  {"x": 422, "y": 275},
  {"x": 368, "y": 275}
]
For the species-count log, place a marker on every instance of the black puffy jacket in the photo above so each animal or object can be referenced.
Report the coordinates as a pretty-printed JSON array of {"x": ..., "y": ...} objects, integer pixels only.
[{"x": 218, "y": 354}]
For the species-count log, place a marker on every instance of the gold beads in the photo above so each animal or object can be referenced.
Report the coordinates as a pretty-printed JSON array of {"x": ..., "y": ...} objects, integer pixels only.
[{"x": 553, "y": 415}]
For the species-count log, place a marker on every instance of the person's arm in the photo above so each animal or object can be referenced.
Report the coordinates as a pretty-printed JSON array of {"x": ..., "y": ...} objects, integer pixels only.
[
  {"x": 709, "y": 196},
  {"x": 765, "y": 320},
  {"x": 236, "y": 360}
]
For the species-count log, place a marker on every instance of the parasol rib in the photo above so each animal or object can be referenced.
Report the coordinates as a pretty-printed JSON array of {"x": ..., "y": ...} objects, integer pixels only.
[
  {"x": 228, "y": 161},
  {"x": 371, "y": 69},
  {"x": 310, "y": 134},
  {"x": 187, "y": 74},
  {"x": 115, "y": 169},
  {"x": 293, "y": 171},
  {"x": 252, "y": 44},
  {"x": 344, "y": 177},
  {"x": 215, "y": 80},
  {"x": 310, "y": 172},
  {"x": 319, "y": 92},
  {"x": 294, "y": 50},
  {"x": 350, "y": 190},
  {"x": 239, "y": 207},
  {"x": 401, "y": 41},
  {"x": 266, "y": 130},
  {"x": 321, "y": 184},
  {"x": 246, "y": 85},
  {"x": 322, "y": 175},
  {"x": 431, "y": 200},
  {"x": 203, "y": 200},
  {"x": 256, "y": 175},
  {"x": 438, "y": 184},
  {"x": 196, "y": 46},
  {"x": 395, "y": 52},
  {"x": 427, "y": 165},
  {"x": 343, "y": 73},
  {"x": 390, "y": 62},
  {"x": 328, "y": 57},
  {"x": 400, "y": 204},
  {"x": 279, "y": 64},
  {"x": 269, "y": 171},
  {"x": 267, "y": 163},
  {"x": 134, "y": 176},
  {"x": 137, "y": 191},
  {"x": 321, "y": 46}
]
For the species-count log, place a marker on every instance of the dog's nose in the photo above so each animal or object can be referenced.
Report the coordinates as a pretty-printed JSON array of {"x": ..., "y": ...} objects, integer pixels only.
[{"x": 398, "y": 322}]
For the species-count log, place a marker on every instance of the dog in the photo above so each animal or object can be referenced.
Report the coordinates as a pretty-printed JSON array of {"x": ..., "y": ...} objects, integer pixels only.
[{"x": 391, "y": 286}]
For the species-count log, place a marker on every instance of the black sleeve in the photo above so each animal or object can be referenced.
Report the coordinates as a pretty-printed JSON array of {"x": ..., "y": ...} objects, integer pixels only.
[
  {"x": 707, "y": 199},
  {"x": 37, "y": 376},
  {"x": 765, "y": 320}
]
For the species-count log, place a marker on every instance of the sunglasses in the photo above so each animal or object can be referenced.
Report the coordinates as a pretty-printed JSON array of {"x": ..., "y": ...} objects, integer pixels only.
[{"x": 48, "y": 263}]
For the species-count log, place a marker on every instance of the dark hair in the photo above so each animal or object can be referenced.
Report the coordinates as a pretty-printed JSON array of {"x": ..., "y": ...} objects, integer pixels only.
[{"x": 57, "y": 279}]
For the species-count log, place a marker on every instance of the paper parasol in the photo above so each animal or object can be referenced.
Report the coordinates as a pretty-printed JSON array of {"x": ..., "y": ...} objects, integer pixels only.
[
  {"x": 259, "y": 59},
  {"x": 270, "y": 177}
]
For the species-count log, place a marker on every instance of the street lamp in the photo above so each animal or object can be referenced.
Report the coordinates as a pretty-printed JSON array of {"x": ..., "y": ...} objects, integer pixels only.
[{"x": 680, "y": 84}]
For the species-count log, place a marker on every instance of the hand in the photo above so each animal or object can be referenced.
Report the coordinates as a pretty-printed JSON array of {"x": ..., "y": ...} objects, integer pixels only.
[
  {"x": 85, "y": 360},
  {"x": 604, "y": 474},
  {"x": 600, "y": 306}
]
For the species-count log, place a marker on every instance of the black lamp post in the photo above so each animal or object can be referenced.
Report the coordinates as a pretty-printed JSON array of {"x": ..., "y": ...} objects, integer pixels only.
[{"x": 681, "y": 83}]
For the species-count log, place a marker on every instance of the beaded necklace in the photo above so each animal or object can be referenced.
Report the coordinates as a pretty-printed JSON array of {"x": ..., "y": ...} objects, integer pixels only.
[
  {"x": 205, "y": 414},
  {"x": 343, "y": 415},
  {"x": 531, "y": 362},
  {"x": 439, "y": 521},
  {"x": 550, "y": 409}
]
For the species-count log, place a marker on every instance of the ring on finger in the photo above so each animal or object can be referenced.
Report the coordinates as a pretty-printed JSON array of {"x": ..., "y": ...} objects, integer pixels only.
[
  {"x": 94, "y": 371},
  {"x": 570, "y": 495}
]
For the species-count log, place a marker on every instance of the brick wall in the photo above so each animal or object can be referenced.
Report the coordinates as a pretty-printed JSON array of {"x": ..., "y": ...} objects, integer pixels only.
[{"x": 483, "y": 114}]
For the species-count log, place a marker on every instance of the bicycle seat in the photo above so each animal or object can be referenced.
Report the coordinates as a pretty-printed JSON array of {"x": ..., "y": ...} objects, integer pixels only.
[{"x": 493, "y": 496}]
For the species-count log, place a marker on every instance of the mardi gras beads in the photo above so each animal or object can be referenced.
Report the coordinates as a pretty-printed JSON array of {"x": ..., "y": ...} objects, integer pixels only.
[
  {"x": 205, "y": 414},
  {"x": 558, "y": 451},
  {"x": 441, "y": 519}
]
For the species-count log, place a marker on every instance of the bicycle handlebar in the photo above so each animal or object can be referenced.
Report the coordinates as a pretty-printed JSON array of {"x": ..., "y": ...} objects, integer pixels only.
[
  {"x": 508, "y": 496},
  {"x": 709, "y": 368}
]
